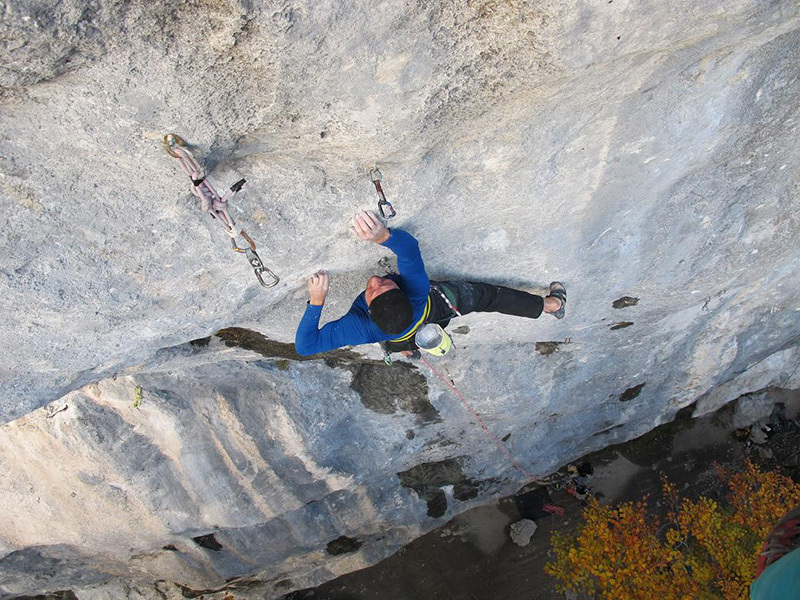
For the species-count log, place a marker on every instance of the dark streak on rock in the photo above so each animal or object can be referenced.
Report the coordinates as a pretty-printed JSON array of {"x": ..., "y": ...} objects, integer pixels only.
[
  {"x": 461, "y": 329},
  {"x": 621, "y": 325},
  {"x": 343, "y": 545},
  {"x": 237, "y": 583},
  {"x": 506, "y": 436},
  {"x": 437, "y": 503},
  {"x": 686, "y": 412},
  {"x": 169, "y": 397},
  {"x": 247, "y": 582},
  {"x": 631, "y": 392},
  {"x": 382, "y": 389},
  {"x": 440, "y": 441},
  {"x": 625, "y": 301},
  {"x": 546, "y": 348},
  {"x": 62, "y": 595},
  {"x": 385, "y": 390},
  {"x": 257, "y": 342},
  {"x": 607, "y": 430},
  {"x": 427, "y": 479},
  {"x": 209, "y": 542},
  {"x": 188, "y": 592}
]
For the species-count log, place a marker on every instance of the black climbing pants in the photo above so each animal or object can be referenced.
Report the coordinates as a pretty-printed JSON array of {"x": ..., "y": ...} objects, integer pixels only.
[{"x": 473, "y": 296}]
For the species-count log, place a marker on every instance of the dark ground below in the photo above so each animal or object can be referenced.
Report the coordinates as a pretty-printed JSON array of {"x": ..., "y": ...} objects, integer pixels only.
[{"x": 472, "y": 557}]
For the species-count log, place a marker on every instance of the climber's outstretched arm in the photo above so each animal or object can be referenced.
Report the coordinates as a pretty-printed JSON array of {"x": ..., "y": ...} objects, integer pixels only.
[{"x": 413, "y": 278}]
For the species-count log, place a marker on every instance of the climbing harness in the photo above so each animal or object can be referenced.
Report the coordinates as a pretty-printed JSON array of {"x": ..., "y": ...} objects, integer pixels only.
[
  {"x": 424, "y": 335},
  {"x": 376, "y": 177},
  {"x": 216, "y": 205},
  {"x": 443, "y": 294}
]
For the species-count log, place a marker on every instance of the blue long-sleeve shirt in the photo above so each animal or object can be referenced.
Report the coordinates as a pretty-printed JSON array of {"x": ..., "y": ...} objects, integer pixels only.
[{"x": 357, "y": 327}]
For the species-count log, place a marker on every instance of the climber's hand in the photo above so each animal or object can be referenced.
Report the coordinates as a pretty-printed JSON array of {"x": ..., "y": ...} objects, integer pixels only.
[
  {"x": 369, "y": 227},
  {"x": 318, "y": 288}
]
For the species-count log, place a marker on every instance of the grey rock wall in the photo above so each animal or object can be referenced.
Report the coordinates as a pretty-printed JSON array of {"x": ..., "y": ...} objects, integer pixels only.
[{"x": 645, "y": 154}]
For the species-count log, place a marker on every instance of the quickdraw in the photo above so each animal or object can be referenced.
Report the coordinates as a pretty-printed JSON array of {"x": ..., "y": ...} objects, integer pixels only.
[
  {"x": 255, "y": 261},
  {"x": 216, "y": 205},
  {"x": 386, "y": 264},
  {"x": 376, "y": 177},
  {"x": 387, "y": 356}
]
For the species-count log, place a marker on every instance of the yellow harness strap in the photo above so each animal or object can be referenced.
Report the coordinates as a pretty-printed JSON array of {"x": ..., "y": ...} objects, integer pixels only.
[{"x": 417, "y": 325}]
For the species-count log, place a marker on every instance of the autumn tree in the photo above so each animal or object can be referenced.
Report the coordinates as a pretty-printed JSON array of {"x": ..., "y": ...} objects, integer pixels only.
[{"x": 704, "y": 550}]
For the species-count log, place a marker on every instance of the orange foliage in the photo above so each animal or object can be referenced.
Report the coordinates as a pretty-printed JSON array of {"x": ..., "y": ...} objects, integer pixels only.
[{"x": 703, "y": 551}]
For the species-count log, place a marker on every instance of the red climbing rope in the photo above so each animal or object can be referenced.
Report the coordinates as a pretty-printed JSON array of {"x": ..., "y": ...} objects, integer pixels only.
[
  {"x": 497, "y": 442},
  {"x": 554, "y": 509},
  {"x": 210, "y": 201}
]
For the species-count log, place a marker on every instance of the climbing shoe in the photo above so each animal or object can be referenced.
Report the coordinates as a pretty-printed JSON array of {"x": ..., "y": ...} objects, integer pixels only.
[{"x": 557, "y": 290}]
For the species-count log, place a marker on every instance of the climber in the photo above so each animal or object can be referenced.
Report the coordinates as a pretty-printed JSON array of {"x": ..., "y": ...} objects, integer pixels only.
[{"x": 394, "y": 307}]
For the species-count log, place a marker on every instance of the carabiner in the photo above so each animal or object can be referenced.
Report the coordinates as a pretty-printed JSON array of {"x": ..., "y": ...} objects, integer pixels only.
[
  {"x": 376, "y": 176},
  {"x": 173, "y": 139},
  {"x": 386, "y": 264},
  {"x": 387, "y": 356},
  {"x": 259, "y": 268},
  {"x": 255, "y": 261},
  {"x": 392, "y": 211}
]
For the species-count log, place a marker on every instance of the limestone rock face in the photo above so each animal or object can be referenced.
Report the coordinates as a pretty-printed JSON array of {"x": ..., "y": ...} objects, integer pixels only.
[{"x": 645, "y": 154}]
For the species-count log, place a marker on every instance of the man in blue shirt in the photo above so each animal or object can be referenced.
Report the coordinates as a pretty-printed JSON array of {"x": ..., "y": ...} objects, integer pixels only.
[{"x": 394, "y": 307}]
